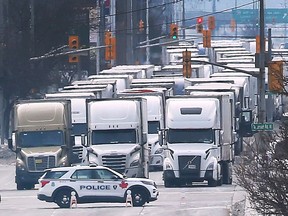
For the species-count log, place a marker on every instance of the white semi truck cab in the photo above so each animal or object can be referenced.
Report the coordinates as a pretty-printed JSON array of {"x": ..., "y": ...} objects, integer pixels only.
[
  {"x": 194, "y": 142},
  {"x": 117, "y": 135}
]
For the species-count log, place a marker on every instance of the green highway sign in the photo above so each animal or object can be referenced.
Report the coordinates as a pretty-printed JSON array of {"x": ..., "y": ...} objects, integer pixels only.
[
  {"x": 262, "y": 126},
  {"x": 272, "y": 15}
]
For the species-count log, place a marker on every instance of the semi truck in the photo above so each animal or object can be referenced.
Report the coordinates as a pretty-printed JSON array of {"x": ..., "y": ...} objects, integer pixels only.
[
  {"x": 155, "y": 113},
  {"x": 198, "y": 141},
  {"x": 41, "y": 138},
  {"x": 117, "y": 135}
]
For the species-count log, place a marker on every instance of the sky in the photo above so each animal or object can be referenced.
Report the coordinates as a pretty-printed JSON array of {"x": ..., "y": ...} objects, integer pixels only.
[{"x": 206, "y": 5}]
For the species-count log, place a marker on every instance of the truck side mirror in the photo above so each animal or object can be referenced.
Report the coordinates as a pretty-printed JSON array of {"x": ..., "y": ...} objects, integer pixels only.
[
  {"x": 10, "y": 145},
  {"x": 160, "y": 137},
  {"x": 246, "y": 120}
]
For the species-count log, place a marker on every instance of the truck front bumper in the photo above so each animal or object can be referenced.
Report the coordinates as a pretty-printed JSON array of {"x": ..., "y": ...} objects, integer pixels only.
[{"x": 24, "y": 176}]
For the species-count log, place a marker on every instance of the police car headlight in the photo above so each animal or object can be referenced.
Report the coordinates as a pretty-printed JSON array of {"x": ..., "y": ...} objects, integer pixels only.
[
  {"x": 20, "y": 165},
  {"x": 147, "y": 182},
  {"x": 159, "y": 151},
  {"x": 135, "y": 163}
]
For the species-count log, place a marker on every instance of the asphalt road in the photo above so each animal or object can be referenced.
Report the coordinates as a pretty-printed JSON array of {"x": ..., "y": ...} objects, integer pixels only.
[{"x": 196, "y": 200}]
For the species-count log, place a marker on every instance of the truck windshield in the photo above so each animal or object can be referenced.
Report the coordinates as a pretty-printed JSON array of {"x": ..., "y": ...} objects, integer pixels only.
[
  {"x": 190, "y": 136},
  {"x": 153, "y": 127},
  {"x": 41, "y": 138},
  {"x": 79, "y": 128},
  {"x": 113, "y": 136}
]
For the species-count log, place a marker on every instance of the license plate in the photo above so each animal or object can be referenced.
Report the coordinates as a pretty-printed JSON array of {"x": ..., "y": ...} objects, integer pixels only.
[
  {"x": 191, "y": 166},
  {"x": 38, "y": 160}
]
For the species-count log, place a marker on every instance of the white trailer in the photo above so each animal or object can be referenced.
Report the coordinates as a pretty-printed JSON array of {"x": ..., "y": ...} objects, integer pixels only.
[{"x": 78, "y": 116}]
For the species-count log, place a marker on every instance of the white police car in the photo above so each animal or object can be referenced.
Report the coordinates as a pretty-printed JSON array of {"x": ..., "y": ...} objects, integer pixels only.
[{"x": 93, "y": 184}]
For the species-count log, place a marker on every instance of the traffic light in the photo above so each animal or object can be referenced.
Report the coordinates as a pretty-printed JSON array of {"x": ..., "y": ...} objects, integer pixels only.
[
  {"x": 206, "y": 38},
  {"x": 232, "y": 25},
  {"x": 141, "y": 25},
  {"x": 211, "y": 22},
  {"x": 199, "y": 25},
  {"x": 174, "y": 31},
  {"x": 275, "y": 76},
  {"x": 73, "y": 43},
  {"x": 110, "y": 49},
  {"x": 187, "y": 69}
]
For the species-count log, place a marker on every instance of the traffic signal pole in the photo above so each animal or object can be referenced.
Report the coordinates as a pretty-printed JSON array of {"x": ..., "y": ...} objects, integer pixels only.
[{"x": 261, "y": 78}]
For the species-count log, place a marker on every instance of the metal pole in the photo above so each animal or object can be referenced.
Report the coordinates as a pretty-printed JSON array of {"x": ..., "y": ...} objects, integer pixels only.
[
  {"x": 147, "y": 33},
  {"x": 261, "y": 79},
  {"x": 183, "y": 19},
  {"x": 101, "y": 34}
]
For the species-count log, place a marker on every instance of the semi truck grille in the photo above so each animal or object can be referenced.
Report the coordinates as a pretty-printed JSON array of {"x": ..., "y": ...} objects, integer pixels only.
[
  {"x": 189, "y": 165},
  {"x": 41, "y": 163},
  {"x": 78, "y": 150},
  {"x": 115, "y": 162}
]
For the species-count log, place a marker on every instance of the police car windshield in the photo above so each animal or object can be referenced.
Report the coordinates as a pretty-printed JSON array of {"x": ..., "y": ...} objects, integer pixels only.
[
  {"x": 113, "y": 136},
  {"x": 41, "y": 138}
]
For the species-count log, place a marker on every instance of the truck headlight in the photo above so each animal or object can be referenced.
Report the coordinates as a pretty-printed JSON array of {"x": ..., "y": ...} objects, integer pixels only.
[
  {"x": 210, "y": 166},
  {"x": 63, "y": 162},
  {"x": 159, "y": 151},
  {"x": 135, "y": 163},
  {"x": 168, "y": 166},
  {"x": 20, "y": 165}
]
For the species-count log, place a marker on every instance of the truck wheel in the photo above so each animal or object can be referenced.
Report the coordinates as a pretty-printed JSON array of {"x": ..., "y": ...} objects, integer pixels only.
[
  {"x": 62, "y": 198},
  {"x": 20, "y": 186},
  {"x": 29, "y": 186},
  {"x": 167, "y": 183},
  {"x": 139, "y": 197},
  {"x": 227, "y": 173},
  {"x": 212, "y": 183}
]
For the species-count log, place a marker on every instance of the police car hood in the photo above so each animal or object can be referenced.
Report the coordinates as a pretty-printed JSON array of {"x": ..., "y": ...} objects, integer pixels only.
[
  {"x": 41, "y": 150},
  {"x": 114, "y": 148},
  {"x": 138, "y": 180}
]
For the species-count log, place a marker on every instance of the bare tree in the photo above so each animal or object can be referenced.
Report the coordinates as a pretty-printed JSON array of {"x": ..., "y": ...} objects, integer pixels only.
[{"x": 264, "y": 169}]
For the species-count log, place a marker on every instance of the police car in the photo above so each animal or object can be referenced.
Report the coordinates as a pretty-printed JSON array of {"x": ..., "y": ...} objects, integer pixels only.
[{"x": 93, "y": 184}]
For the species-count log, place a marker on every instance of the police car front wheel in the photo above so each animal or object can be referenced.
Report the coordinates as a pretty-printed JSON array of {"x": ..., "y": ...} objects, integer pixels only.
[{"x": 139, "y": 197}]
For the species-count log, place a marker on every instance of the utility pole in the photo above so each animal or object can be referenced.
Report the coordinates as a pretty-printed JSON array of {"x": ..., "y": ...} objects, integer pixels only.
[
  {"x": 261, "y": 79},
  {"x": 183, "y": 19},
  {"x": 147, "y": 33},
  {"x": 101, "y": 34}
]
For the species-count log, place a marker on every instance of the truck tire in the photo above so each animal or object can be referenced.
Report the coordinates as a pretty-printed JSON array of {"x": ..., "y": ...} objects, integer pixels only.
[
  {"x": 139, "y": 197},
  {"x": 62, "y": 198},
  {"x": 20, "y": 186},
  {"x": 168, "y": 183},
  {"x": 227, "y": 172}
]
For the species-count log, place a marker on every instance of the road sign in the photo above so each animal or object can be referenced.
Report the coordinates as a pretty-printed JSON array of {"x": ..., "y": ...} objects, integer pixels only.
[
  {"x": 262, "y": 126},
  {"x": 272, "y": 15}
]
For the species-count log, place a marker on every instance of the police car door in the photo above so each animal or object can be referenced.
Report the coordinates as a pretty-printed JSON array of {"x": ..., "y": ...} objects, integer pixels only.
[
  {"x": 88, "y": 185},
  {"x": 116, "y": 184}
]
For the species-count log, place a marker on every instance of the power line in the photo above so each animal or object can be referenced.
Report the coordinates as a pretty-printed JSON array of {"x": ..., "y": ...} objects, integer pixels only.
[{"x": 181, "y": 20}]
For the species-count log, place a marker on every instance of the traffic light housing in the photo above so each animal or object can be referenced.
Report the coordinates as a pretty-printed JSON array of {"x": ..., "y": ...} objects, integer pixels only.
[
  {"x": 174, "y": 31},
  {"x": 211, "y": 22},
  {"x": 187, "y": 69},
  {"x": 275, "y": 76},
  {"x": 141, "y": 25},
  {"x": 110, "y": 49},
  {"x": 73, "y": 43},
  {"x": 206, "y": 38},
  {"x": 199, "y": 25}
]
